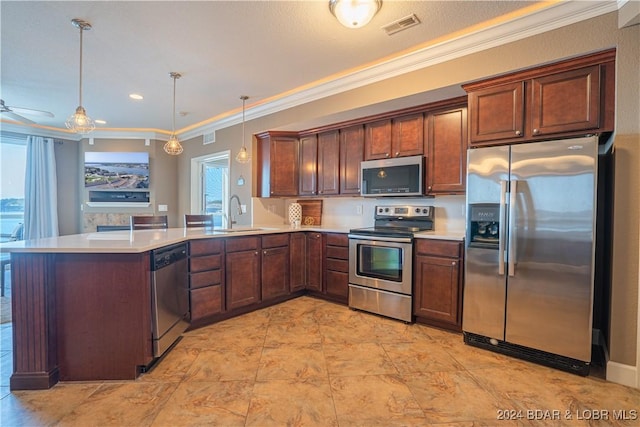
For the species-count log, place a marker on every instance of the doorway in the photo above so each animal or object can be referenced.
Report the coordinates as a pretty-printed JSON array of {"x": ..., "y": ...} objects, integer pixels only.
[{"x": 210, "y": 186}]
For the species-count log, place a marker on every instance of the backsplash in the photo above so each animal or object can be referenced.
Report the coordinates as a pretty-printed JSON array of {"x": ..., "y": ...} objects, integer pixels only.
[
  {"x": 90, "y": 221},
  {"x": 355, "y": 212}
]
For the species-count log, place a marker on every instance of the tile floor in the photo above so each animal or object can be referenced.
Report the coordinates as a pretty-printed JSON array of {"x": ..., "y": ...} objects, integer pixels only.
[{"x": 308, "y": 362}]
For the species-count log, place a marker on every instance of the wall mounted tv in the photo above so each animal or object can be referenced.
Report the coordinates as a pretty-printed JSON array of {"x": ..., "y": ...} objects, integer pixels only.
[{"x": 116, "y": 170}]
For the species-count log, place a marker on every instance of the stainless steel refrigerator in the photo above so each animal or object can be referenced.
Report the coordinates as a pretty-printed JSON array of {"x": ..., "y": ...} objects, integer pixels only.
[{"x": 530, "y": 243}]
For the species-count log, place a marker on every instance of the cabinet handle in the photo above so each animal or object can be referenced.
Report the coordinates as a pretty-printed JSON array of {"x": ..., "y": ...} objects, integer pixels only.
[
  {"x": 518, "y": 133},
  {"x": 536, "y": 131}
]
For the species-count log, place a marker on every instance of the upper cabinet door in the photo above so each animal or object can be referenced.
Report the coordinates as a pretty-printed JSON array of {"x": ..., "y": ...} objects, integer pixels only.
[
  {"x": 377, "y": 140},
  {"x": 497, "y": 113},
  {"x": 308, "y": 165},
  {"x": 566, "y": 102},
  {"x": 351, "y": 154},
  {"x": 407, "y": 137},
  {"x": 284, "y": 166},
  {"x": 328, "y": 163},
  {"x": 447, "y": 151}
]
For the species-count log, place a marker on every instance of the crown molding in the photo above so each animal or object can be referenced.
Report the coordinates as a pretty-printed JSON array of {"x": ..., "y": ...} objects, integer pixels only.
[
  {"x": 552, "y": 17},
  {"x": 555, "y": 16}
]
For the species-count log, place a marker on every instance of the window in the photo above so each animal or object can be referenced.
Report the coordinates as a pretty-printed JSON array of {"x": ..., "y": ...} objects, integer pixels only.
[
  {"x": 210, "y": 186},
  {"x": 13, "y": 160}
]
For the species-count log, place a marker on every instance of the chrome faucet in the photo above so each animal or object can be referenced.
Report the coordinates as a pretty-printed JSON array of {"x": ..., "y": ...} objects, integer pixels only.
[{"x": 231, "y": 221}]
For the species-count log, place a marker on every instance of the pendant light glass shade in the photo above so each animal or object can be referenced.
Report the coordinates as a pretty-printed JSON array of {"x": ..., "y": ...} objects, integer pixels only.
[
  {"x": 354, "y": 13},
  {"x": 79, "y": 122},
  {"x": 243, "y": 155},
  {"x": 173, "y": 146}
]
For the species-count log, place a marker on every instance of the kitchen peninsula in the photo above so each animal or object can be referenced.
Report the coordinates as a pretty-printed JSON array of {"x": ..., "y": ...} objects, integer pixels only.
[{"x": 81, "y": 303}]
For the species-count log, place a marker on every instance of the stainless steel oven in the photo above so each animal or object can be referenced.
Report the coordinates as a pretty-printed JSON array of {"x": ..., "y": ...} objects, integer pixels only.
[{"x": 381, "y": 261}]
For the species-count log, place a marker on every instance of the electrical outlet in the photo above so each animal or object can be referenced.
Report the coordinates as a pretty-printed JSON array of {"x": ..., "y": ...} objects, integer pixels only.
[
  {"x": 243, "y": 208},
  {"x": 163, "y": 208},
  {"x": 359, "y": 209}
]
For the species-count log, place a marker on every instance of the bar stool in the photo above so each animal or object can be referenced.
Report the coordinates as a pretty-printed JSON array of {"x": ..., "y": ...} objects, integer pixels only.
[
  {"x": 191, "y": 221},
  {"x": 149, "y": 222}
]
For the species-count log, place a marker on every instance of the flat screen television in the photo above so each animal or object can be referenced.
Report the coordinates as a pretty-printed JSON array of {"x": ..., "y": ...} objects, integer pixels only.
[{"x": 116, "y": 170}]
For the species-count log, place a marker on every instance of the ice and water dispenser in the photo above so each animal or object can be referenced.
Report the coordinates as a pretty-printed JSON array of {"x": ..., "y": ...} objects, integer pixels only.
[{"x": 484, "y": 225}]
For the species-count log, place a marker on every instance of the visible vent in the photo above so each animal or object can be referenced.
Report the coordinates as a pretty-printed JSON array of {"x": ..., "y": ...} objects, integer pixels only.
[
  {"x": 401, "y": 24},
  {"x": 209, "y": 138}
]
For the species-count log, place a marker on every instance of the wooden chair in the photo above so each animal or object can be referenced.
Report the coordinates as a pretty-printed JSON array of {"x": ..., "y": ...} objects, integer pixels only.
[
  {"x": 149, "y": 222},
  {"x": 198, "y": 221}
]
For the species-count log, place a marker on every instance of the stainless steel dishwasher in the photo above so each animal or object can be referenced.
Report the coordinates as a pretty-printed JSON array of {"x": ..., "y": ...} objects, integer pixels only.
[{"x": 169, "y": 293}]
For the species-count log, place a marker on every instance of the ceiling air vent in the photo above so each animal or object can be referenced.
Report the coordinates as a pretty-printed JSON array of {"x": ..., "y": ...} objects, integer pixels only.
[
  {"x": 209, "y": 138},
  {"x": 401, "y": 24}
]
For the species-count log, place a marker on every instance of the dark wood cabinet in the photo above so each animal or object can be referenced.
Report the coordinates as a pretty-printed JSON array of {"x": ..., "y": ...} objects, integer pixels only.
[
  {"x": 446, "y": 151},
  {"x": 278, "y": 160},
  {"x": 407, "y": 138},
  {"x": 564, "y": 99},
  {"x": 336, "y": 271},
  {"x": 206, "y": 275},
  {"x": 314, "y": 261},
  {"x": 377, "y": 140},
  {"x": 308, "y": 165},
  {"x": 396, "y": 137},
  {"x": 328, "y": 163},
  {"x": 438, "y": 281},
  {"x": 351, "y": 154},
  {"x": 275, "y": 266},
  {"x": 242, "y": 278},
  {"x": 297, "y": 257}
]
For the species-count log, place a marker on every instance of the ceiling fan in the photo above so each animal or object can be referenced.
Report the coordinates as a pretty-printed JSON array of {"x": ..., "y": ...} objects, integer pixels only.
[{"x": 11, "y": 112}]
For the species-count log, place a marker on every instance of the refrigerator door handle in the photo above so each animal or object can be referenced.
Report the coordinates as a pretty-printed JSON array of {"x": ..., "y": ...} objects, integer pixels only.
[
  {"x": 502, "y": 226},
  {"x": 511, "y": 254}
]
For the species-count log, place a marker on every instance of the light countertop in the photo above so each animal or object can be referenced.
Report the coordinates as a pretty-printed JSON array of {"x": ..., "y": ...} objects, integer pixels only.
[{"x": 146, "y": 240}]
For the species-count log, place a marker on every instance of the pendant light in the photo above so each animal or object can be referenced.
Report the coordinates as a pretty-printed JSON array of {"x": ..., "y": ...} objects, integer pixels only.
[
  {"x": 243, "y": 155},
  {"x": 354, "y": 13},
  {"x": 79, "y": 122},
  {"x": 173, "y": 146}
]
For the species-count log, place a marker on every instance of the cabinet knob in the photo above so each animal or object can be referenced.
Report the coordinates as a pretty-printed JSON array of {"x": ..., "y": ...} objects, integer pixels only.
[
  {"x": 386, "y": 155},
  {"x": 518, "y": 133},
  {"x": 397, "y": 153},
  {"x": 453, "y": 263},
  {"x": 272, "y": 192},
  {"x": 264, "y": 252},
  {"x": 536, "y": 131},
  {"x": 255, "y": 253}
]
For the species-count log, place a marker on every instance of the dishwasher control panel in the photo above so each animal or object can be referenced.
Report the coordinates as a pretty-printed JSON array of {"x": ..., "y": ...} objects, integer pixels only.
[{"x": 168, "y": 255}]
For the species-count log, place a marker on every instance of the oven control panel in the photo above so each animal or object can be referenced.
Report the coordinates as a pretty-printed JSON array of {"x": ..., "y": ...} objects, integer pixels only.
[{"x": 404, "y": 211}]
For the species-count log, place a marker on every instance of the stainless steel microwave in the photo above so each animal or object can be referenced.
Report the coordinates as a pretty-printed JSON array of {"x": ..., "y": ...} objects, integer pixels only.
[{"x": 400, "y": 176}]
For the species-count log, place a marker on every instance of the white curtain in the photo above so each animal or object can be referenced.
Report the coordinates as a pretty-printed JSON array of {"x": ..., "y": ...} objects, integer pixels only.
[{"x": 40, "y": 198}]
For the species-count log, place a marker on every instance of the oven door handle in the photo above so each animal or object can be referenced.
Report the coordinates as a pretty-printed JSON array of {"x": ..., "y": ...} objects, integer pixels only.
[{"x": 381, "y": 238}]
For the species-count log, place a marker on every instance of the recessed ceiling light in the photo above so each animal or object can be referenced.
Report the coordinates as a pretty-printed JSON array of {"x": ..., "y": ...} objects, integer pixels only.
[
  {"x": 101, "y": 122},
  {"x": 136, "y": 96}
]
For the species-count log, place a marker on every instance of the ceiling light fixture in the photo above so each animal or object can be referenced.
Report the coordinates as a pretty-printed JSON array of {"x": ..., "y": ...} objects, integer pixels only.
[
  {"x": 243, "y": 155},
  {"x": 79, "y": 122},
  {"x": 354, "y": 13},
  {"x": 173, "y": 146}
]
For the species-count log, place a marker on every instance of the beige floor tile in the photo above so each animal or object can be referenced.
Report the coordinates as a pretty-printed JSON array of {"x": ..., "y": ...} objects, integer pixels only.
[
  {"x": 292, "y": 361},
  {"x": 221, "y": 403},
  {"x": 225, "y": 365},
  {"x": 375, "y": 400},
  {"x": 292, "y": 403},
  {"x": 121, "y": 404},
  {"x": 43, "y": 407},
  {"x": 173, "y": 367},
  {"x": 292, "y": 333},
  {"x": 452, "y": 396},
  {"x": 420, "y": 356},
  {"x": 357, "y": 359}
]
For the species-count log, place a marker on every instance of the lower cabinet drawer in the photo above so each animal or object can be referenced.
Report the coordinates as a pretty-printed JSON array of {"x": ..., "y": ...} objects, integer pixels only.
[
  {"x": 340, "y": 252},
  {"x": 337, "y": 265},
  {"x": 205, "y": 278},
  {"x": 207, "y": 262},
  {"x": 206, "y": 301}
]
